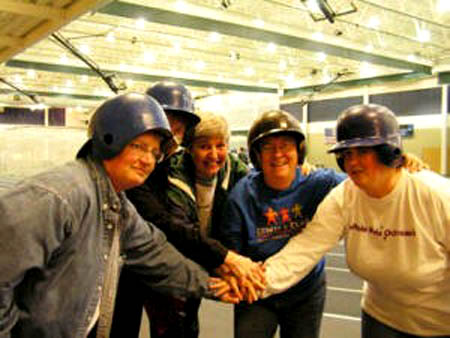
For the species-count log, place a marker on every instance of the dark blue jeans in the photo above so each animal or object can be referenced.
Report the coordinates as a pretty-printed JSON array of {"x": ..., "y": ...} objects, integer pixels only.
[
  {"x": 297, "y": 312},
  {"x": 372, "y": 328}
]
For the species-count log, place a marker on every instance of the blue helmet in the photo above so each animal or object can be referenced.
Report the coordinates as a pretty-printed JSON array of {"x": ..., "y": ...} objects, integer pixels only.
[
  {"x": 175, "y": 98},
  {"x": 369, "y": 125},
  {"x": 121, "y": 119}
]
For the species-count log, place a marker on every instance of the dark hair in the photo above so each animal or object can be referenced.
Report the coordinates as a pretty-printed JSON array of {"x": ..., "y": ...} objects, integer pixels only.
[{"x": 389, "y": 155}]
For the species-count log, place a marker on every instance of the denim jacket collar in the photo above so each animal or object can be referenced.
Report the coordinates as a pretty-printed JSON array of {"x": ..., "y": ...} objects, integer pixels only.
[{"x": 108, "y": 196}]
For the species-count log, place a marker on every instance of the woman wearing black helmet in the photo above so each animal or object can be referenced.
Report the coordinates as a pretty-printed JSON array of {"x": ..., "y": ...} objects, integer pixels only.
[
  {"x": 265, "y": 209},
  {"x": 396, "y": 228}
]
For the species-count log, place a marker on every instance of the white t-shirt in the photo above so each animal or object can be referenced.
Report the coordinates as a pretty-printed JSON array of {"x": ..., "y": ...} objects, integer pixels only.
[{"x": 399, "y": 244}]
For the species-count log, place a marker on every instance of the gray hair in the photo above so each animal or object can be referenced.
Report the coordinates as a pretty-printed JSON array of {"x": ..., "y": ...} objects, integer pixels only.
[{"x": 211, "y": 125}]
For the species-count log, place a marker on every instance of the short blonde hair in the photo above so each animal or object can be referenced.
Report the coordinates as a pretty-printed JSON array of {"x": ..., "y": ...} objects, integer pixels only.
[{"x": 211, "y": 125}]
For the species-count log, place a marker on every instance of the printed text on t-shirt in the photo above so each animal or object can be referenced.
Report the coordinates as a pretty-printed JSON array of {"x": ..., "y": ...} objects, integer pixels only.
[{"x": 382, "y": 231}]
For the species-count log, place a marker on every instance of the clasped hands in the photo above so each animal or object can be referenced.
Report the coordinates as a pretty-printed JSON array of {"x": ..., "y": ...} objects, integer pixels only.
[{"x": 241, "y": 279}]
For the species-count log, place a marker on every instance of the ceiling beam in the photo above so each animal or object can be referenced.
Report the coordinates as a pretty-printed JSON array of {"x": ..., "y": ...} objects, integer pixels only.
[
  {"x": 27, "y": 9},
  {"x": 46, "y": 27},
  {"x": 10, "y": 40},
  {"x": 135, "y": 76},
  {"x": 168, "y": 17},
  {"x": 353, "y": 83},
  {"x": 4, "y": 91}
]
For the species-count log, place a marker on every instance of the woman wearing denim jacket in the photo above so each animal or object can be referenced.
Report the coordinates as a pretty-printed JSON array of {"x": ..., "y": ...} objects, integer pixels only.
[{"x": 66, "y": 232}]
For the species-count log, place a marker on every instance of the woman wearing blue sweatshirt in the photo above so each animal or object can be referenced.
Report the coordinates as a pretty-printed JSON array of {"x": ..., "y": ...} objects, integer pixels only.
[{"x": 270, "y": 205}]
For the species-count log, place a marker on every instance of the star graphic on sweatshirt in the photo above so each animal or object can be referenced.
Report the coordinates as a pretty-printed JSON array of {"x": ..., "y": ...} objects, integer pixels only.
[
  {"x": 271, "y": 216},
  {"x": 297, "y": 210},
  {"x": 284, "y": 213}
]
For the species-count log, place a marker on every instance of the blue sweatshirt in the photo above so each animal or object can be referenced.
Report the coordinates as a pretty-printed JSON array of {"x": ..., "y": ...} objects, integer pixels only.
[{"x": 259, "y": 221}]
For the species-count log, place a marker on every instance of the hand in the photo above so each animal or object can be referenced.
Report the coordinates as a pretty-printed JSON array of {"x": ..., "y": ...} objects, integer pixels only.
[
  {"x": 250, "y": 294},
  {"x": 245, "y": 269},
  {"x": 241, "y": 287},
  {"x": 225, "y": 273},
  {"x": 413, "y": 164},
  {"x": 223, "y": 291}
]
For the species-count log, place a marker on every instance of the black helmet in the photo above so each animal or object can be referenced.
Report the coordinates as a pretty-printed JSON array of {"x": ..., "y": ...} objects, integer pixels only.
[
  {"x": 271, "y": 123},
  {"x": 121, "y": 119},
  {"x": 175, "y": 98},
  {"x": 369, "y": 125}
]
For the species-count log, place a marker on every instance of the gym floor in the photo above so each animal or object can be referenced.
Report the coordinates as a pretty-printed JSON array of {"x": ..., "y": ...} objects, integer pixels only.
[{"x": 342, "y": 309}]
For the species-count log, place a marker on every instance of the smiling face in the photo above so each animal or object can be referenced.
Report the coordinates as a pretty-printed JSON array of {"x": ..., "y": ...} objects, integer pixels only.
[
  {"x": 279, "y": 160},
  {"x": 135, "y": 162},
  {"x": 209, "y": 154}
]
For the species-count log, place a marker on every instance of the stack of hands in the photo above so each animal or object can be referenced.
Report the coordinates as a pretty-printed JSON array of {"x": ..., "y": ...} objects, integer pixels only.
[{"x": 241, "y": 279}]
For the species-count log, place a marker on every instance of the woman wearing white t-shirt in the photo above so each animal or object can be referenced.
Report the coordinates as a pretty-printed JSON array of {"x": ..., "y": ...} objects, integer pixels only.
[{"x": 396, "y": 227}]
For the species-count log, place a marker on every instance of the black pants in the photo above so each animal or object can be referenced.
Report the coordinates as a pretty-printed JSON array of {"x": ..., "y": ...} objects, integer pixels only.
[
  {"x": 298, "y": 312},
  {"x": 372, "y": 328},
  {"x": 169, "y": 317}
]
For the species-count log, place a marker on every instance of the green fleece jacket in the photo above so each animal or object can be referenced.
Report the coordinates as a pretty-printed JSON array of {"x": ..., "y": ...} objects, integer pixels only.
[{"x": 181, "y": 192}]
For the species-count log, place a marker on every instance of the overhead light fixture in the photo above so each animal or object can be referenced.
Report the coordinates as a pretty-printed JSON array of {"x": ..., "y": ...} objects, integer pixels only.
[
  {"x": 271, "y": 47},
  {"x": 374, "y": 22},
  {"x": 321, "y": 56},
  {"x": 258, "y": 23},
  {"x": 110, "y": 37},
  {"x": 320, "y": 10},
  {"x": 140, "y": 23},
  {"x": 317, "y": 36},
  {"x": 214, "y": 37},
  {"x": 443, "y": 6},
  {"x": 423, "y": 35},
  {"x": 249, "y": 71}
]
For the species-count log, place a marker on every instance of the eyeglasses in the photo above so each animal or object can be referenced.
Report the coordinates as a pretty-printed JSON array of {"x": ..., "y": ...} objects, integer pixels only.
[
  {"x": 284, "y": 147},
  {"x": 142, "y": 150}
]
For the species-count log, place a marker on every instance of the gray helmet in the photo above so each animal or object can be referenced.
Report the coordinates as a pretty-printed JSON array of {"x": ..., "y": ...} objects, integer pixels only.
[
  {"x": 369, "y": 125},
  {"x": 121, "y": 119},
  {"x": 271, "y": 123},
  {"x": 175, "y": 98}
]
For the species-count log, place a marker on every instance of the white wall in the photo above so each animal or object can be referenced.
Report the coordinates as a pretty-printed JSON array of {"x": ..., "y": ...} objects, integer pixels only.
[{"x": 239, "y": 109}]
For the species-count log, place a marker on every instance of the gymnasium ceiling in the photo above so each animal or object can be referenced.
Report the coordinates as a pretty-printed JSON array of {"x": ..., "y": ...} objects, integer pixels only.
[{"x": 214, "y": 46}]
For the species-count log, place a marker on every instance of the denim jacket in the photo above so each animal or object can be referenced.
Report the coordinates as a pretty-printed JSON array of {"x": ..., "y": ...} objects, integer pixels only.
[{"x": 55, "y": 235}]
